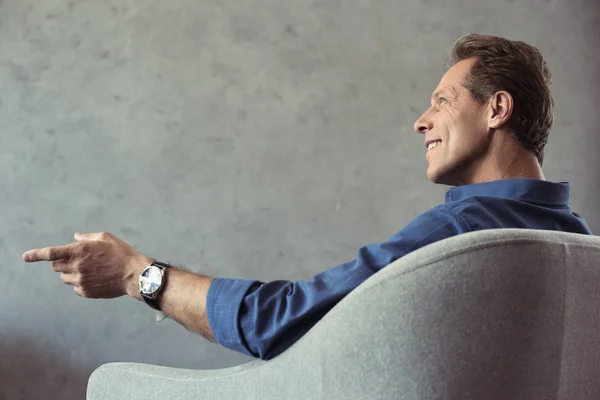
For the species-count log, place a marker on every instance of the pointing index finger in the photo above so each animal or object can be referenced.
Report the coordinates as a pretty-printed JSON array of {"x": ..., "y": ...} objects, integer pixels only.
[{"x": 49, "y": 254}]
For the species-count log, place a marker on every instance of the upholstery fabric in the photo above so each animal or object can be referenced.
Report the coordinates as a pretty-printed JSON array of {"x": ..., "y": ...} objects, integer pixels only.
[{"x": 494, "y": 314}]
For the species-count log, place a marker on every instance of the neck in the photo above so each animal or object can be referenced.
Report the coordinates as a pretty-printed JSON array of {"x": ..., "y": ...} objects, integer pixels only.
[{"x": 505, "y": 159}]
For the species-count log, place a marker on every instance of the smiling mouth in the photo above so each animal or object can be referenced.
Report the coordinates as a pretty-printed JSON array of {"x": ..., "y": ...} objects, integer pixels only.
[{"x": 433, "y": 145}]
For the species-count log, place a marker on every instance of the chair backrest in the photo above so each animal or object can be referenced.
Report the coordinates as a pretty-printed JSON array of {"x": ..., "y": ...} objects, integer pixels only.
[{"x": 496, "y": 314}]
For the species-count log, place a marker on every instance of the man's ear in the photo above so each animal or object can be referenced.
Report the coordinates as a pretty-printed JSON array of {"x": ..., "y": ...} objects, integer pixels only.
[{"x": 500, "y": 109}]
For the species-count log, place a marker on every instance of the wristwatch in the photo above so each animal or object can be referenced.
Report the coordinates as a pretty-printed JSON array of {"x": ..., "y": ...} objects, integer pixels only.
[{"x": 152, "y": 281}]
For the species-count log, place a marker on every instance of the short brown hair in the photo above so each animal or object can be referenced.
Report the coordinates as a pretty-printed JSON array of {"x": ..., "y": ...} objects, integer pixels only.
[{"x": 519, "y": 69}]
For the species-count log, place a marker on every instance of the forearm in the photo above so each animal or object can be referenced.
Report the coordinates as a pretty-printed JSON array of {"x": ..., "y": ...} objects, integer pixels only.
[{"x": 183, "y": 298}]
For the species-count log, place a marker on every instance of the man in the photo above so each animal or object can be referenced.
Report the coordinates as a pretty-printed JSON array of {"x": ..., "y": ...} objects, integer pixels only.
[{"x": 485, "y": 133}]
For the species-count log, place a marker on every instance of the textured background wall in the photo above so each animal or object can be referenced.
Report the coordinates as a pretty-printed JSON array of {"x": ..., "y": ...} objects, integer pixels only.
[{"x": 252, "y": 139}]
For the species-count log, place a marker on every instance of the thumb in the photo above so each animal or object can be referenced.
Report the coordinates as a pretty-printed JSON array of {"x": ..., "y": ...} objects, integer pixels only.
[{"x": 82, "y": 236}]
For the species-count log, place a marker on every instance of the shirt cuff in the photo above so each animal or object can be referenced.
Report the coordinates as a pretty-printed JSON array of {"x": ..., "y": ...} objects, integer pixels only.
[{"x": 223, "y": 303}]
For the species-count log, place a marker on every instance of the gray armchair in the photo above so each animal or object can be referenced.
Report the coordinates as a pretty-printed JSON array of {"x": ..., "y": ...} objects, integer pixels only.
[{"x": 496, "y": 314}]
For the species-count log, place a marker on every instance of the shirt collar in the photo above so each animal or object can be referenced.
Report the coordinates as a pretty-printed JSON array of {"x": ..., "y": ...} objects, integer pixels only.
[{"x": 523, "y": 189}]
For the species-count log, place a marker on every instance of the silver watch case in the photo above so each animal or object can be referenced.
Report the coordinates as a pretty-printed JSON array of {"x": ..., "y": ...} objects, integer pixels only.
[{"x": 151, "y": 280}]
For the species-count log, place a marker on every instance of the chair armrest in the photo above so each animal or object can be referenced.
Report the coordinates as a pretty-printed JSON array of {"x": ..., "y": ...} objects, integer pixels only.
[{"x": 134, "y": 381}]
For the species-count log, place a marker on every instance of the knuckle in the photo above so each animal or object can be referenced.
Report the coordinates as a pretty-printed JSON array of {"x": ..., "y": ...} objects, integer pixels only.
[
  {"x": 78, "y": 267},
  {"x": 58, "y": 266},
  {"x": 81, "y": 249}
]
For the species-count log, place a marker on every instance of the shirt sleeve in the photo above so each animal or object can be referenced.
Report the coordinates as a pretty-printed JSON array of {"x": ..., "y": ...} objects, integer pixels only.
[{"x": 263, "y": 319}]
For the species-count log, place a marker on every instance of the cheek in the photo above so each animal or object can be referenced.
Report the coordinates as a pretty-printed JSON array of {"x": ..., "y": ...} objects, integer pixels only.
[{"x": 464, "y": 131}]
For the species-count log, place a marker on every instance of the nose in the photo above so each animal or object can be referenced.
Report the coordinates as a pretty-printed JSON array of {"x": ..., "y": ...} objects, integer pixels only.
[{"x": 423, "y": 123}]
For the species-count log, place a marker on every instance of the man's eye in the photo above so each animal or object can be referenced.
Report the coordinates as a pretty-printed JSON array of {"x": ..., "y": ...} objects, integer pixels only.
[{"x": 443, "y": 100}]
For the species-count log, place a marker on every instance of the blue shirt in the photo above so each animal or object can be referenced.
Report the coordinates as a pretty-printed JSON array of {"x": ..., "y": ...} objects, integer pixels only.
[{"x": 263, "y": 319}]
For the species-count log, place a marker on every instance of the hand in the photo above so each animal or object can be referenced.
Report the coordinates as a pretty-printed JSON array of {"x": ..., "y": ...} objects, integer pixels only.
[{"x": 98, "y": 265}]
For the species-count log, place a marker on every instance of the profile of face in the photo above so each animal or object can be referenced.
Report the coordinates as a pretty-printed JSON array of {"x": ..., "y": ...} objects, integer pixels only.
[{"x": 458, "y": 127}]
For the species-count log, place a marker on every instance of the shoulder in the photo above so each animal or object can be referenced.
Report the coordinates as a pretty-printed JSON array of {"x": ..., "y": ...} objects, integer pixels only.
[
  {"x": 442, "y": 216},
  {"x": 435, "y": 224}
]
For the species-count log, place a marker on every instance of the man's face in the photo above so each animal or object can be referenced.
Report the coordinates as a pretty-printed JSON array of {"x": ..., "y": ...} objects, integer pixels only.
[{"x": 459, "y": 121}]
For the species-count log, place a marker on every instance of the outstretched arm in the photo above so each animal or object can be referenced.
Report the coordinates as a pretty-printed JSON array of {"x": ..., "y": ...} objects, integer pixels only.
[{"x": 255, "y": 318}]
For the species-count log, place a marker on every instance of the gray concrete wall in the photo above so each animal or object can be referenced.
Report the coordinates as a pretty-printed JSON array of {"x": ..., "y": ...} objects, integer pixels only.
[{"x": 252, "y": 139}]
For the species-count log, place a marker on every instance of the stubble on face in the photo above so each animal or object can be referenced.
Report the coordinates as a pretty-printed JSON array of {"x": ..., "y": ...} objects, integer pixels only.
[{"x": 457, "y": 120}]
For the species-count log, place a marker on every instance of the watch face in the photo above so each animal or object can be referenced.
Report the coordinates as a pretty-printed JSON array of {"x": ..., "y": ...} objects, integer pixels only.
[{"x": 150, "y": 280}]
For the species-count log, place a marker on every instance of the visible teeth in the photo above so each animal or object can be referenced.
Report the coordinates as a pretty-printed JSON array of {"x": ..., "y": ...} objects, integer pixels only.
[{"x": 432, "y": 145}]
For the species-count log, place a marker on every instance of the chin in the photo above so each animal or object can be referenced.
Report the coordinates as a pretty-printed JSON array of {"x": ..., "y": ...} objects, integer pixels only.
[{"x": 440, "y": 177}]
